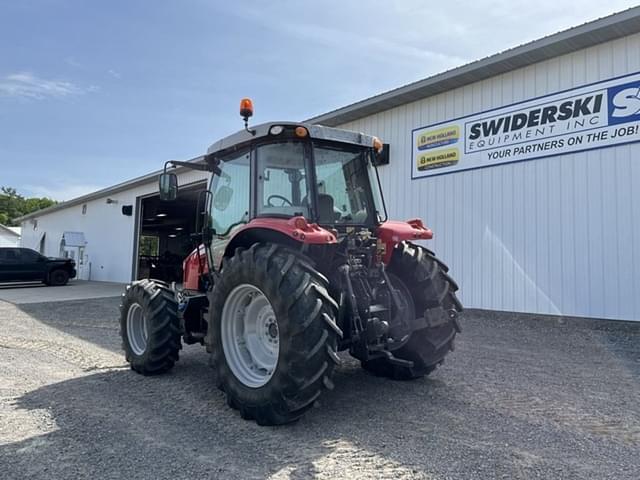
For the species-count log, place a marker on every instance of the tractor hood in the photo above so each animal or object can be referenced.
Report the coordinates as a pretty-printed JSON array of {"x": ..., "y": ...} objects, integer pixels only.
[{"x": 243, "y": 137}]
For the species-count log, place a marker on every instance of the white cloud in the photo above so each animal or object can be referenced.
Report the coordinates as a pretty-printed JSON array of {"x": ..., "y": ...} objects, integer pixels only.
[
  {"x": 72, "y": 62},
  {"x": 414, "y": 37},
  {"x": 114, "y": 73},
  {"x": 27, "y": 85}
]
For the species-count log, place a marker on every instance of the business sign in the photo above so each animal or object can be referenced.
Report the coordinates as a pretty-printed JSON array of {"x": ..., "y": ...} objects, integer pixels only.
[{"x": 599, "y": 115}]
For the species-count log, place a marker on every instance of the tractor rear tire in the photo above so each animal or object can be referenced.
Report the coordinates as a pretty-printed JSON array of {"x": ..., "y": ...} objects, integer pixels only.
[
  {"x": 433, "y": 294},
  {"x": 150, "y": 327},
  {"x": 273, "y": 335}
]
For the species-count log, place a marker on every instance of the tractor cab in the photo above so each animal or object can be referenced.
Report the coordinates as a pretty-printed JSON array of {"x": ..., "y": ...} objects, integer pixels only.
[
  {"x": 284, "y": 170},
  {"x": 298, "y": 184}
]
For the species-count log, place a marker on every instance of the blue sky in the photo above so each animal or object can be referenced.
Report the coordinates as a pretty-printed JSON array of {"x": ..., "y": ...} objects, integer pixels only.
[{"x": 96, "y": 92}]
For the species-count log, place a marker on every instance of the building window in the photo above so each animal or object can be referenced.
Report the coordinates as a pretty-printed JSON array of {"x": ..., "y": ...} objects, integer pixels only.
[
  {"x": 149, "y": 246},
  {"x": 84, "y": 209}
]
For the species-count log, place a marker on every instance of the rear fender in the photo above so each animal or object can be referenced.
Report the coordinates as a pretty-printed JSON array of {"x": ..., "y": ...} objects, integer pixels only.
[
  {"x": 292, "y": 232},
  {"x": 392, "y": 232}
]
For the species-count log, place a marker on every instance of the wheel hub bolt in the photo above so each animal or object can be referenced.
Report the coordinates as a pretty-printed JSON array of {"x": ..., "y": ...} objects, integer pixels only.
[{"x": 273, "y": 330}]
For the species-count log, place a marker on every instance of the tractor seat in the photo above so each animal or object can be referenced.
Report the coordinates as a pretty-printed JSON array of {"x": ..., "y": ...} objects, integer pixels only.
[{"x": 326, "y": 212}]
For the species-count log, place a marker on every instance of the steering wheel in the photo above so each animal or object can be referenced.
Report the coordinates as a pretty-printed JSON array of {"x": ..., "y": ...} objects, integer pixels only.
[{"x": 285, "y": 200}]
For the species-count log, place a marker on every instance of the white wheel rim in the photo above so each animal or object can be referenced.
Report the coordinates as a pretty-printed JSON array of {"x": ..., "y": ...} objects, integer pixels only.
[
  {"x": 250, "y": 336},
  {"x": 137, "y": 329}
]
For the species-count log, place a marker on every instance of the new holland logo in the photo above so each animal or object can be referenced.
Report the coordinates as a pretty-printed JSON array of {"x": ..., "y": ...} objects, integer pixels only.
[
  {"x": 438, "y": 138},
  {"x": 624, "y": 103},
  {"x": 438, "y": 159}
]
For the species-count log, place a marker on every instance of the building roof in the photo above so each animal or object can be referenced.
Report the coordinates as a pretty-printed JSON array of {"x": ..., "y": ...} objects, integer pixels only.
[
  {"x": 9, "y": 230},
  {"x": 577, "y": 38}
]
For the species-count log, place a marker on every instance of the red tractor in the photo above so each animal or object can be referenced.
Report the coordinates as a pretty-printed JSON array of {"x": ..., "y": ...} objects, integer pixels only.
[{"x": 296, "y": 262}]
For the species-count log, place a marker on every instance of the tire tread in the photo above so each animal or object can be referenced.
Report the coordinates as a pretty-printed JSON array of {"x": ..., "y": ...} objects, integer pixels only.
[
  {"x": 164, "y": 342},
  {"x": 308, "y": 313},
  {"x": 433, "y": 291}
]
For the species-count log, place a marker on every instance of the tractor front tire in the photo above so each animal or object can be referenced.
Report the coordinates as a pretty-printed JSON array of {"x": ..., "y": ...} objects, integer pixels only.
[
  {"x": 273, "y": 336},
  {"x": 433, "y": 294},
  {"x": 150, "y": 327}
]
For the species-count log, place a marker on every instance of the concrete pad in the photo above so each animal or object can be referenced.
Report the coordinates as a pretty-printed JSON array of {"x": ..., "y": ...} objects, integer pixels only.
[{"x": 75, "y": 290}]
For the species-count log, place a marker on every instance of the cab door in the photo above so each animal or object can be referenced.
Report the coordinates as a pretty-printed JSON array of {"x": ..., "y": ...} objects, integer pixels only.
[{"x": 229, "y": 203}]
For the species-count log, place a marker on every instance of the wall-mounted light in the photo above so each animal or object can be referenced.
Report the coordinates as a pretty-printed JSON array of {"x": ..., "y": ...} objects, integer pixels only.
[{"x": 382, "y": 156}]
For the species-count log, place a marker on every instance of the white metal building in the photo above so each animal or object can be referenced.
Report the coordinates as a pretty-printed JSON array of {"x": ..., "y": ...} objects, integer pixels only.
[
  {"x": 111, "y": 237},
  {"x": 525, "y": 164},
  {"x": 9, "y": 236}
]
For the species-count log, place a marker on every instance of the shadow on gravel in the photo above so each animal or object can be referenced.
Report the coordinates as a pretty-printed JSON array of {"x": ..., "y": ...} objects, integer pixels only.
[
  {"x": 122, "y": 425},
  {"x": 93, "y": 320}
]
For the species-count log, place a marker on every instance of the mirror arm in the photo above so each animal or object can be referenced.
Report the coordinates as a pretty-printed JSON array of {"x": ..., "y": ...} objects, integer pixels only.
[
  {"x": 211, "y": 164},
  {"x": 190, "y": 165}
]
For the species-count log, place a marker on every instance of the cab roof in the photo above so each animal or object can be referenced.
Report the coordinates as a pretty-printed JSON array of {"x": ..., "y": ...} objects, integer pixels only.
[{"x": 243, "y": 137}]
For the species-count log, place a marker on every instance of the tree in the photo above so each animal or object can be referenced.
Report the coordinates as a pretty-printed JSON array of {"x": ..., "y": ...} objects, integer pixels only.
[
  {"x": 14, "y": 205},
  {"x": 149, "y": 246}
]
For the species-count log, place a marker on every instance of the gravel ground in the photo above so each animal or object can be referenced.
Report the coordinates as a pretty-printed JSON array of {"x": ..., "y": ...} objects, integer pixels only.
[{"x": 521, "y": 397}]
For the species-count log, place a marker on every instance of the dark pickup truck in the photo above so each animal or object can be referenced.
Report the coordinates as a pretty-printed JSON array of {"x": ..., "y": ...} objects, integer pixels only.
[{"x": 26, "y": 265}]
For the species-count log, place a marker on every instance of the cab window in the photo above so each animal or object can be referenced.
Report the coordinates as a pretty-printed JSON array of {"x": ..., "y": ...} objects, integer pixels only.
[
  {"x": 343, "y": 185},
  {"x": 281, "y": 180},
  {"x": 230, "y": 199}
]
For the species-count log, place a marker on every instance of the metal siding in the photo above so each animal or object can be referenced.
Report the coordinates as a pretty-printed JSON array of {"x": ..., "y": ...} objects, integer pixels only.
[
  {"x": 556, "y": 235},
  {"x": 8, "y": 240}
]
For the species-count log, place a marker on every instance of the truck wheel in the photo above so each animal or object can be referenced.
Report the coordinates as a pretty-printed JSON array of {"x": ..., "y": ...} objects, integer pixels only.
[
  {"x": 433, "y": 293},
  {"x": 58, "y": 278},
  {"x": 274, "y": 335},
  {"x": 150, "y": 327}
]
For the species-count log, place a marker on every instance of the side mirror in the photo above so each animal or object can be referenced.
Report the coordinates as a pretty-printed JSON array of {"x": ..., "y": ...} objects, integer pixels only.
[
  {"x": 222, "y": 198},
  {"x": 168, "y": 186}
]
